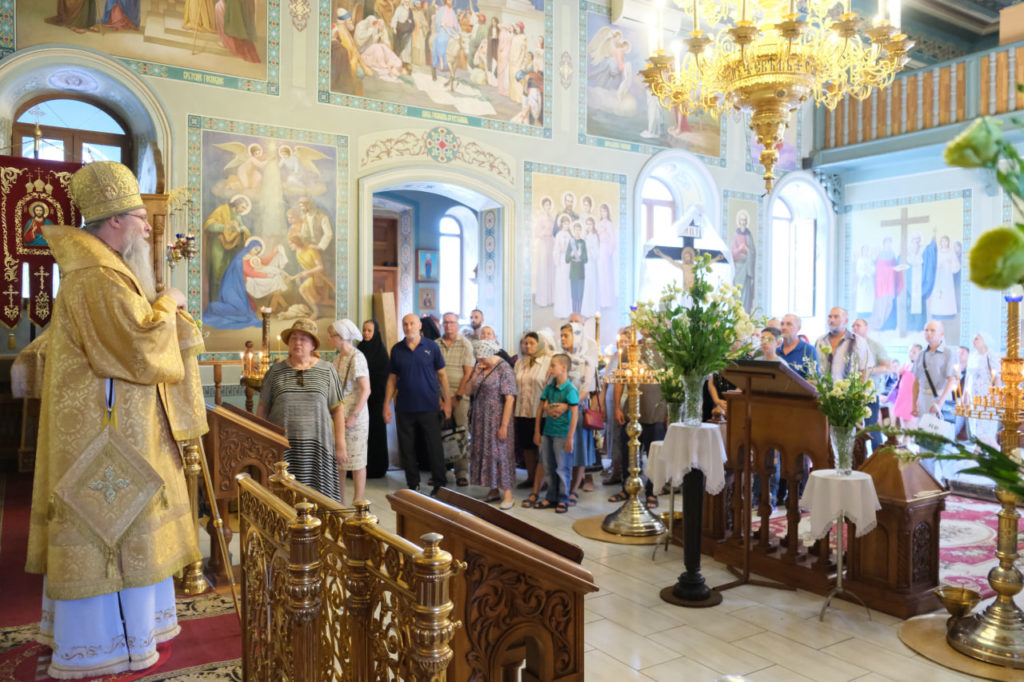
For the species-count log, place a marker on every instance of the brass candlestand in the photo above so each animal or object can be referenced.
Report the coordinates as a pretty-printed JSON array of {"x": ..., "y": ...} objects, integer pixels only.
[
  {"x": 633, "y": 517},
  {"x": 255, "y": 365},
  {"x": 997, "y": 634}
]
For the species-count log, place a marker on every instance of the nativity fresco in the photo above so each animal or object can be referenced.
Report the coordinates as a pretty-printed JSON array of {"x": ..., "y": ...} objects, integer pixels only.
[
  {"x": 908, "y": 266},
  {"x": 475, "y": 62},
  {"x": 228, "y": 43},
  {"x": 269, "y": 233},
  {"x": 619, "y": 106}
]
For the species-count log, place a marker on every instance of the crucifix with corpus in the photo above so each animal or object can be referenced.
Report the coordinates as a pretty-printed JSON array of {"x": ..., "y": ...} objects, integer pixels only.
[
  {"x": 903, "y": 222},
  {"x": 690, "y": 227}
]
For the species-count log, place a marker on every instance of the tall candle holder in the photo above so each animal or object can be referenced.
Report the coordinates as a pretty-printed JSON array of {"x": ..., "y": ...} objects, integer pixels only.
[
  {"x": 996, "y": 635},
  {"x": 256, "y": 364},
  {"x": 633, "y": 518}
]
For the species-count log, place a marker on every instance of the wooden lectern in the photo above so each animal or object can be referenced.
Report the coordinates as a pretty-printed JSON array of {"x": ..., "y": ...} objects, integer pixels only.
[{"x": 773, "y": 412}]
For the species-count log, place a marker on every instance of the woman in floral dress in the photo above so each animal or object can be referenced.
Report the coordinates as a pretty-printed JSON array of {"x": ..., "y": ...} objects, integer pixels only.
[{"x": 491, "y": 457}]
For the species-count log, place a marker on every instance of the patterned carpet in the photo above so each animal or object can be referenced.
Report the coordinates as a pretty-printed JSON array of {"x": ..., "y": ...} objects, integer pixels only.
[
  {"x": 967, "y": 541},
  {"x": 208, "y": 647}
]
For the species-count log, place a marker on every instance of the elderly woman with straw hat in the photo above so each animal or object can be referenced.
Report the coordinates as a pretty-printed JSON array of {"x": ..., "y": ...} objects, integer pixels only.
[
  {"x": 355, "y": 390},
  {"x": 303, "y": 394}
]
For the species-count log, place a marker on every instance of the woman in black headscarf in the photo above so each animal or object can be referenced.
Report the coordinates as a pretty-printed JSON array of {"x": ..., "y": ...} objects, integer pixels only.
[
  {"x": 430, "y": 330},
  {"x": 372, "y": 346}
]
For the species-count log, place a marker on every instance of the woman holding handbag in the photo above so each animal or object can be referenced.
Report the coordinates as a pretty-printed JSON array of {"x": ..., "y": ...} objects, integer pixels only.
[{"x": 493, "y": 389}]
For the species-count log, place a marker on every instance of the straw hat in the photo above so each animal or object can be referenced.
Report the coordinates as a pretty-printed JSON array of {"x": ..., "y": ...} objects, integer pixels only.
[{"x": 306, "y": 326}]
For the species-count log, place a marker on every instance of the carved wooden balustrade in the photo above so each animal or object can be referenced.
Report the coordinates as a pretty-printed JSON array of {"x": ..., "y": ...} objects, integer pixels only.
[{"x": 328, "y": 595}]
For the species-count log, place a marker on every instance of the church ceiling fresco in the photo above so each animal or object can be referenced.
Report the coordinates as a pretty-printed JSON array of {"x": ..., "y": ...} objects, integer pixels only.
[
  {"x": 576, "y": 247},
  {"x": 616, "y": 109},
  {"x": 905, "y": 265},
  {"x": 233, "y": 45},
  {"x": 480, "y": 63},
  {"x": 269, "y": 205}
]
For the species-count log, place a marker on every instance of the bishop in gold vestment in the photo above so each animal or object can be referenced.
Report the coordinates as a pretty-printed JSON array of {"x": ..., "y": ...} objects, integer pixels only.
[{"x": 110, "y": 510}]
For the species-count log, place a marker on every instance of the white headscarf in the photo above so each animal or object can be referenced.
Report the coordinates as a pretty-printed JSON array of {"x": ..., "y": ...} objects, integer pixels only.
[{"x": 347, "y": 329}]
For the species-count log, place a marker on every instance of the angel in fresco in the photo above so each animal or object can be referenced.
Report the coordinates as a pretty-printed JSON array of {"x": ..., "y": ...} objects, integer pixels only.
[
  {"x": 249, "y": 161},
  {"x": 610, "y": 75}
]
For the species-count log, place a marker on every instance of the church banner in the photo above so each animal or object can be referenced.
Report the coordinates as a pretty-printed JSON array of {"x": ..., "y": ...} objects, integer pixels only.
[{"x": 33, "y": 193}]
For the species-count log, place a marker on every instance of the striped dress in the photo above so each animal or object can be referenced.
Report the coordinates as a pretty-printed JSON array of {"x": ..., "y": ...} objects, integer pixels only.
[{"x": 305, "y": 413}]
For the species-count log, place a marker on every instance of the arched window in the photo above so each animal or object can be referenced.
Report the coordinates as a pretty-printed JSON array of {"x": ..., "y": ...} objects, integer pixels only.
[
  {"x": 450, "y": 265},
  {"x": 71, "y": 130},
  {"x": 798, "y": 213},
  {"x": 659, "y": 207}
]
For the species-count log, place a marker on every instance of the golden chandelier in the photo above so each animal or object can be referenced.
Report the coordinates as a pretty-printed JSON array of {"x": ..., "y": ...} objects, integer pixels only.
[{"x": 767, "y": 57}]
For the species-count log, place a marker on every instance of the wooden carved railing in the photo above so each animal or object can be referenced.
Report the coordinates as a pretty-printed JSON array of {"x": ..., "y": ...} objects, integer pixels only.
[
  {"x": 329, "y": 595},
  {"x": 950, "y": 92}
]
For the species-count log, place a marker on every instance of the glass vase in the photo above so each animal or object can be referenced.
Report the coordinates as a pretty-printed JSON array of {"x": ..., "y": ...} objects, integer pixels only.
[
  {"x": 693, "y": 407},
  {"x": 675, "y": 412},
  {"x": 842, "y": 438}
]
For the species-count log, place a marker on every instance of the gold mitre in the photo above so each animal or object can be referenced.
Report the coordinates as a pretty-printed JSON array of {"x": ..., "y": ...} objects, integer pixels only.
[{"x": 103, "y": 189}]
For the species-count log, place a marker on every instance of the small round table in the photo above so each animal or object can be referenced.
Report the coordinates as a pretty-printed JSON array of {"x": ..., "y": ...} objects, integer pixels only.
[
  {"x": 832, "y": 498},
  {"x": 693, "y": 456}
]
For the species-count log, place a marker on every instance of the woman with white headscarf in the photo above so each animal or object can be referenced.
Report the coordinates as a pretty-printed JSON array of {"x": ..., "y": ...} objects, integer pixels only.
[
  {"x": 355, "y": 390},
  {"x": 983, "y": 369}
]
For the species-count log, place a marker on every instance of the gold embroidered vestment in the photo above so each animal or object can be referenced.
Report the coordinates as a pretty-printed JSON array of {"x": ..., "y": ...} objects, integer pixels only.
[{"x": 104, "y": 327}]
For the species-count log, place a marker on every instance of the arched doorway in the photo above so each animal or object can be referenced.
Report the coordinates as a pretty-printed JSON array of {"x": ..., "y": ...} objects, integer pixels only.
[{"x": 483, "y": 216}]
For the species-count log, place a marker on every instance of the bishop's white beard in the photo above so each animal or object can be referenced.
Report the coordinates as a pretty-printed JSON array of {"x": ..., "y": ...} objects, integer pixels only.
[{"x": 137, "y": 257}]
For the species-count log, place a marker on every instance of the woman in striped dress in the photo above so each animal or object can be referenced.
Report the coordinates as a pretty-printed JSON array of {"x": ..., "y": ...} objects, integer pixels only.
[
  {"x": 302, "y": 393},
  {"x": 355, "y": 390}
]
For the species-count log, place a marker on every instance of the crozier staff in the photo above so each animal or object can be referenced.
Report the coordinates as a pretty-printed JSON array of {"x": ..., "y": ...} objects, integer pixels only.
[{"x": 110, "y": 518}]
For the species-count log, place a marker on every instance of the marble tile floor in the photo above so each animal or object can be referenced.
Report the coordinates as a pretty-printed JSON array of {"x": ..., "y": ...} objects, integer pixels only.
[{"x": 763, "y": 634}]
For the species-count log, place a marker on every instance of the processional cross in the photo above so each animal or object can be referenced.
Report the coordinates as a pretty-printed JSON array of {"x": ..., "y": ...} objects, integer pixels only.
[{"x": 904, "y": 221}]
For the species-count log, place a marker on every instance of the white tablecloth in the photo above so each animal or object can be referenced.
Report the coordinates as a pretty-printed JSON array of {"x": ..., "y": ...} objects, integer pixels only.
[
  {"x": 686, "y": 448},
  {"x": 827, "y": 493}
]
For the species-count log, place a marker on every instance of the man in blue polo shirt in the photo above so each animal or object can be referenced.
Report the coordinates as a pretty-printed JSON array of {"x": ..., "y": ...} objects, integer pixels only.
[
  {"x": 794, "y": 350},
  {"x": 417, "y": 375}
]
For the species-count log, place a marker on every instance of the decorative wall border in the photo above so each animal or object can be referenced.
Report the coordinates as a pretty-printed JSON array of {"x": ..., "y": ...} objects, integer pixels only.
[
  {"x": 623, "y": 145},
  {"x": 270, "y": 86},
  {"x": 325, "y": 95},
  {"x": 625, "y": 232},
  {"x": 763, "y": 264},
  {"x": 440, "y": 144},
  {"x": 196, "y": 126},
  {"x": 846, "y": 267}
]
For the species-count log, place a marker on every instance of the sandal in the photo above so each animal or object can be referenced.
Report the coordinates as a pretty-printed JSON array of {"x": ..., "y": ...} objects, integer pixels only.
[
  {"x": 652, "y": 501},
  {"x": 462, "y": 481},
  {"x": 561, "y": 508},
  {"x": 573, "y": 499},
  {"x": 544, "y": 504},
  {"x": 493, "y": 497},
  {"x": 620, "y": 496},
  {"x": 531, "y": 501}
]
